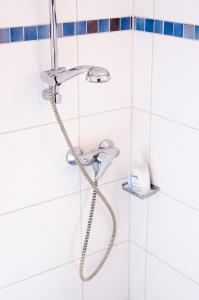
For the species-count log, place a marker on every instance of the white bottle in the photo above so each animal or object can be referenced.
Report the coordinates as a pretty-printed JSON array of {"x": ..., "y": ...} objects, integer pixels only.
[{"x": 139, "y": 179}]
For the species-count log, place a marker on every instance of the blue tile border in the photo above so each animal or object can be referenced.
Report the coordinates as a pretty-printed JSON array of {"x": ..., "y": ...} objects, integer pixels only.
[{"x": 67, "y": 29}]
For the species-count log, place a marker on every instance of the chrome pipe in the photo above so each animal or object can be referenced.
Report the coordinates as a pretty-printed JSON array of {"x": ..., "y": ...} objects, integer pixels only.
[{"x": 53, "y": 34}]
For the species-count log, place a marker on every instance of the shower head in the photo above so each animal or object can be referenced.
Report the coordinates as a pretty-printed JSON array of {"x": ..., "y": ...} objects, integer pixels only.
[
  {"x": 98, "y": 75},
  {"x": 57, "y": 77}
]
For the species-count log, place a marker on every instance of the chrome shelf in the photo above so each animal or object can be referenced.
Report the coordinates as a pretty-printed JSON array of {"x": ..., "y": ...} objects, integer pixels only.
[{"x": 153, "y": 191}]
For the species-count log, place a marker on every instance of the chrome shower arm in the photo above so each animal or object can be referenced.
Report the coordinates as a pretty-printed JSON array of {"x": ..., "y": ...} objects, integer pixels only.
[{"x": 53, "y": 34}]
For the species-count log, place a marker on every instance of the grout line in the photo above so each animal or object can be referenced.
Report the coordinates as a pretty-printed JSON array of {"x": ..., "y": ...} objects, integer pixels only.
[
  {"x": 65, "y": 120},
  {"x": 58, "y": 198},
  {"x": 165, "y": 263},
  {"x": 58, "y": 267},
  {"x": 167, "y": 119}
]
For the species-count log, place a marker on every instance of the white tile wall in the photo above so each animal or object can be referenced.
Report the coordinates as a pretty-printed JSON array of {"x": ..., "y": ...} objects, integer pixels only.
[
  {"x": 165, "y": 75},
  {"x": 137, "y": 272},
  {"x": 30, "y": 12},
  {"x": 112, "y": 281},
  {"x": 93, "y": 9},
  {"x": 59, "y": 284},
  {"x": 164, "y": 283},
  {"x": 39, "y": 238},
  {"x": 179, "y": 10},
  {"x": 97, "y": 49},
  {"x": 175, "y": 84},
  {"x": 102, "y": 221},
  {"x": 40, "y": 212},
  {"x": 142, "y": 70}
]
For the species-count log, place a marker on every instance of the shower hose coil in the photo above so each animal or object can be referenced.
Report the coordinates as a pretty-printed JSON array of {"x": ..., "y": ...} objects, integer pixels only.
[{"x": 96, "y": 191}]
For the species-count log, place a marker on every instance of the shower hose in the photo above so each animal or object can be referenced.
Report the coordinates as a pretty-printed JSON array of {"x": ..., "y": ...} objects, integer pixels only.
[{"x": 96, "y": 191}]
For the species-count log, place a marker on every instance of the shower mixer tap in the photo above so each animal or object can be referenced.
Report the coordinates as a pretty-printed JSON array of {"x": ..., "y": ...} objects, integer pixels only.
[{"x": 100, "y": 158}]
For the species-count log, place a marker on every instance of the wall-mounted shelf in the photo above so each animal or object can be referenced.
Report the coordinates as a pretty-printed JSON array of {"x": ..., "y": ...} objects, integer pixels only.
[{"x": 153, "y": 191}]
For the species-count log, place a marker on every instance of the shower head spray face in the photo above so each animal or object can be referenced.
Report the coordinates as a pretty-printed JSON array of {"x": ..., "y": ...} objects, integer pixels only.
[{"x": 98, "y": 75}]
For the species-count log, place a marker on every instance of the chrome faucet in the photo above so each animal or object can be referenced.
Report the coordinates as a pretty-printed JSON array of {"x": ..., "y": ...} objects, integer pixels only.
[{"x": 100, "y": 158}]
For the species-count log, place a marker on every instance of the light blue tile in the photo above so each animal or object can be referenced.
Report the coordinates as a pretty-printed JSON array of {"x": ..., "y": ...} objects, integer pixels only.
[
  {"x": 4, "y": 35},
  {"x": 43, "y": 31},
  {"x": 189, "y": 31},
  {"x": 16, "y": 34},
  {"x": 81, "y": 27},
  {"x": 104, "y": 25},
  {"x": 30, "y": 33},
  {"x": 139, "y": 24},
  {"x": 60, "y": 29},
  {"x": 158, "y": 26},
  {"x": 178, "y": 29},
  {"x": 197, "y": 32}
]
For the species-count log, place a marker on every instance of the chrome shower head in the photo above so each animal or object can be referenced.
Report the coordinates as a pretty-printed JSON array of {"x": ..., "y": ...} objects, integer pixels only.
[{"x": 98, "y": 75}]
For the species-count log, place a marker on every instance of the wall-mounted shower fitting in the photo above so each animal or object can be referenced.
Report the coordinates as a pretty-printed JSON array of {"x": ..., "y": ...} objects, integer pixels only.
[
  {"x": 55, "y": 77},
  {"x": 101, "y": 158}
]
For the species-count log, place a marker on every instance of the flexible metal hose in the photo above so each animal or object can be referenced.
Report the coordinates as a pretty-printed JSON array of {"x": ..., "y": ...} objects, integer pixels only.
[{"x": 96, "y": 191}]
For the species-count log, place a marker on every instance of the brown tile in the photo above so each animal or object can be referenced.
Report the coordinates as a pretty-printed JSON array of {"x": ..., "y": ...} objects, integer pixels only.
[
  {"x": 92, "y": 26},
  {"x": 114, "y": 24}
]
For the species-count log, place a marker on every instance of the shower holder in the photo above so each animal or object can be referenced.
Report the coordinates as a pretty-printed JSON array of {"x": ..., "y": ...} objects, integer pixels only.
[{"x": 154, "y": 189}]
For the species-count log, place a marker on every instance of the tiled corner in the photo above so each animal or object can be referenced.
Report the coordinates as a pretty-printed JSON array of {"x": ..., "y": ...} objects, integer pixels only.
[
  {"x": 137, "y": 272},
  {"x": 102, "y": 222},
  {"x": 142, "y": 70},
  {"x": 112, "y": 280}
]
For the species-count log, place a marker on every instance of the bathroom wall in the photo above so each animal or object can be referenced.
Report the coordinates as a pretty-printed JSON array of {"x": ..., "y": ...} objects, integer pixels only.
[
  {"x": 45, "y": 202},
  {"x": 164, "y": 229}
]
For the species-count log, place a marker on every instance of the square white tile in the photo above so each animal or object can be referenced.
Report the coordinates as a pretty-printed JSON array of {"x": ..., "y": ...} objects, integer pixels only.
[
  {"x": 112, "y": 51},
  {"x": 177, "y": 10},
  {"x": 144, "y": 8},
  {"x": 174, "y": 159},
  {"x": 173, "y": 229},
  {"x": 102, "y": 221},
  {"x": 93, "y": 9},
  {"x": 34, "y": 168},
  {"x": 59, "y": 284},
  {"x": 175, "y": 84},
  {"x": 39, "y": 238},
  {"x": 164, "y": 283}
]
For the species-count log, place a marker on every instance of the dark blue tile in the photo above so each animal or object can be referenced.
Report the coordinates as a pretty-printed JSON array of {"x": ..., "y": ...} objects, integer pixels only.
[
  {"x": 60, "y": 29},
  {"x": 139, "y": 23},
  {"x": 81, "y": 27},
  {"x": 197, "y": 32},
  {"x": 30, "y": 33},
  {"x": 158, "y": 26},
  {"x": 104, "y": 25},
  {"x": 178, "y": 29},
  {"x": 43, "y": 32},
  {"x": 125, "y": 23},
  {"x": 189, "y": 31},
  {"x": 4, "y": 35},
  {"x": 168, "y": 28},
  {"x": 16, "y": 34},
  {"x": 68, "y": 29},
  {"x": 149, "y": 25}
]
